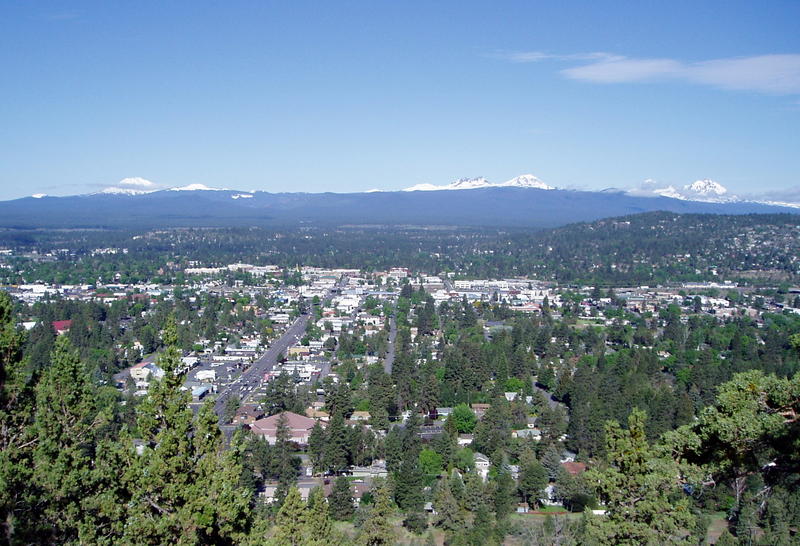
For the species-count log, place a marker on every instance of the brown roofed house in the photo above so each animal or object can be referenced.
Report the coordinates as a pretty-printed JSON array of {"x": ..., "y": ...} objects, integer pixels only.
[
  {"x": 574, "y": 468},
  {"x": 247, "y": 415},
  {"x": 299, "y": 427}
]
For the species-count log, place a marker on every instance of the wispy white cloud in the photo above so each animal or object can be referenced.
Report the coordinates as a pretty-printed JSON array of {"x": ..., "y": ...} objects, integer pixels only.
[
  {"x": 773, "y": 74},
  {"x": 536, "y": 56}
]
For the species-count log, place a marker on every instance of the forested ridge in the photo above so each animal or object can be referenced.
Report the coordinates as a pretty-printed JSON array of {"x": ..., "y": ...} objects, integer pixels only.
[{"x": 649, "y": 248}]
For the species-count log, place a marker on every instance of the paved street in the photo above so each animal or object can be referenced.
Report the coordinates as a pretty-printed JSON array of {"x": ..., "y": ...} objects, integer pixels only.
[
  {"x": 251, "y": 379},
  {"x": 389, "y": 360}
]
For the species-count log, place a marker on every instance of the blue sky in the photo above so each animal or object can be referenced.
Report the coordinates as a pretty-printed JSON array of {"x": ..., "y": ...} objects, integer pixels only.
[{"x": 350, "y": 96}]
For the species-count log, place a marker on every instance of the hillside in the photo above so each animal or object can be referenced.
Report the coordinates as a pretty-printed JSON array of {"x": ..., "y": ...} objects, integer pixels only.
[
  {"x": 490, "y": 206},
  {"x": 648, "y": 248}
]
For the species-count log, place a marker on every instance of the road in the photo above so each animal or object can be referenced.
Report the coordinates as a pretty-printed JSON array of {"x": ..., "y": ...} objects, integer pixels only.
[
  {"x": 252, "y": 377},
  {"x": 389, "y": 359}
]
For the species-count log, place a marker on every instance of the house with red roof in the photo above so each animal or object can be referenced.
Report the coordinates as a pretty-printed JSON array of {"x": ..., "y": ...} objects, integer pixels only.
[
  {"x": 62, "y": 326},
  {"x": 573, "y": 467}
]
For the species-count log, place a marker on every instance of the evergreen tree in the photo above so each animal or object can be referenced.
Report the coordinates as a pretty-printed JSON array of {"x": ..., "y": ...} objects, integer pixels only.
[
  {"x": 182, "y": 485},
  {"x": 316, "y": 447},
  {"x": 319, "y": 527},
  {"x": 377, "y": 529},
  {"x": 482, "y": 532},
  {"x": 449, "y": 515},
  {"x": 636, "y": 488},
  {"x": 409, "y": 481},
  {"x": 16, "y": 437},
  {"x": 336, "y": 445},
  {"x": 341, "y": 499},
  {"x": 67, "y": 426},
  {"x": 282, "y": 461},
  {"x": 551, "y": 461},
  {"x": 532, "y": 478},
  {"x": 504, "y": 494},
  {"x": 291, "y": 526},
  {"x": 457, "y": 487},
  {"x": 474, "y": 492}
]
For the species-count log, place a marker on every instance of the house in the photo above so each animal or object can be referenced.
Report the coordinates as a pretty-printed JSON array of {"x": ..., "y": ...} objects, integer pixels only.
[
  {"x": 299, "y": 427},
  {"x": 358, "y": 489},
  {"x": 247, "y": 415},
  {"x": 574, "y": 468},
  {"x": 200, "y": 392},
  {"x": 315, "y": 413},
  {"x": 429, "y": 432},
  {"x": 482, "y": 465},
  {"x": 531, "y": 433},
  {"x": 376, "y": 470},
  {"x": 62, "y": 326},
  {"x": 443, "y": 412},
  {"x": 269, "y": 491},
  {"x": 360, "y": 416},
  {"x": 141, "y": 371},
  {"x": 464, "y": 440},
  {"x": 480, "y": 409}
]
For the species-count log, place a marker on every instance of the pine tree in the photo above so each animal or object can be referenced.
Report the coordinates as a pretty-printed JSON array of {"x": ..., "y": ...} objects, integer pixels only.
[
  {"x": 16, "y": 436},
  {"x": 474, "y": 492},
  {"x": 283, "y": 468},
  {"x": 457, "y": 487},
  {"x": 636, "y": 489},
  {"x": 409, "y": 481},
  {"x": 316, "y": 447},
  {"x": 291, "y": 523},
  {"x": 377, "y": 529},
  {"x": 551, "y": 461},
  {"x": 341, "y": 499},
  {"x": 182, "y": 486},
  {"x": 449, "y": 515},
  {"x": 482, "y": 527},
  {"x": 67, "y": 425},
  {"x": 504, "y": 497},
  {"x": 318, "y": 520},
  {"x": 532, "y": 478},
  {"x": 336, "y": 453}
]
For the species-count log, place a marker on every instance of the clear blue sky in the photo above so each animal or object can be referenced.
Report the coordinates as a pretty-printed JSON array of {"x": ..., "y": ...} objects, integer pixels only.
[{"x": 349, "y": 96}]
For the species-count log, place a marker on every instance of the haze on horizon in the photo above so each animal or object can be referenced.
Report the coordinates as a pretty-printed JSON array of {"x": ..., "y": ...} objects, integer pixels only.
[{"x": 356, "y": 96}]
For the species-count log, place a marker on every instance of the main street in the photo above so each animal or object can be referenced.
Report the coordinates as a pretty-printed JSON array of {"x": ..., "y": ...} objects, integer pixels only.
[
  {"x": 388, "y": 361},
  {"x": 252, "y": 377}
]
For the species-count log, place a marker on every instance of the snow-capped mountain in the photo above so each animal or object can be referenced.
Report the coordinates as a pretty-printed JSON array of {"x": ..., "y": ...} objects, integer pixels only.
[
  {"x": 115, "y": 190},
  {"x": 706, "y": 190},
  {"x": 197, "y": 187},
  {"x": 526, "y": 181},
  {"x": 521, "y": 202},
  {"x": 522, "y": 181},
  {"x": 134, "y": 185}
]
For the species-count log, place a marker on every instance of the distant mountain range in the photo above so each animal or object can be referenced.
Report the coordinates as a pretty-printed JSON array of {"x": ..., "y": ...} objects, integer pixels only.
[
  {"x": 522, "y": 181},
  {"x": 524, "y": 201}
]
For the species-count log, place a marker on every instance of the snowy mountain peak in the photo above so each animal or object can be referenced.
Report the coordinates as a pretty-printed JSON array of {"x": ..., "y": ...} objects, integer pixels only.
[
  {"x": 522, "y": 181},
  {"x": 526, "y": 181},
  {"x": 197, "y": 187},
  {"x": 114, "y": 190},
  {"x": 701, "y": 190},
  {"x": 469, "y": 183},
  {"x": 707, "y": 188},
  {"x": 134, "y": 185}
]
